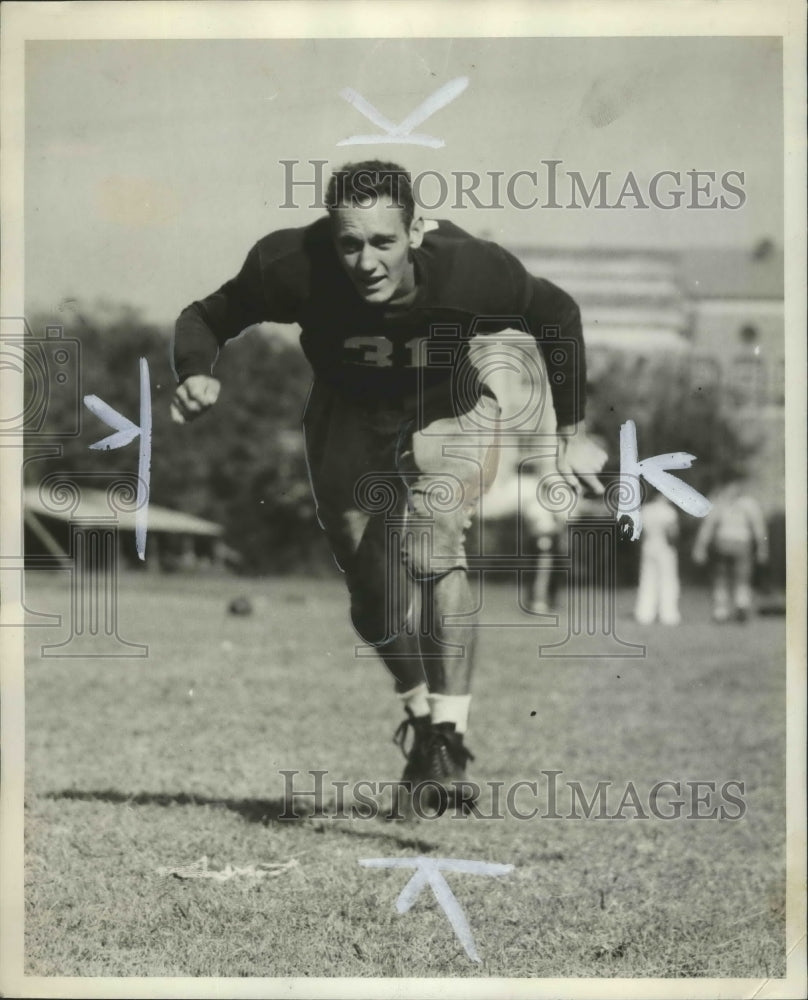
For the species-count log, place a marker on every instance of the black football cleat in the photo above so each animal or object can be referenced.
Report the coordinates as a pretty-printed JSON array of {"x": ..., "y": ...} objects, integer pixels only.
[
  {"x": 416, "y": 759},
  {"x": 441, "y": 783},
  {"x": 416, "y": 766}
]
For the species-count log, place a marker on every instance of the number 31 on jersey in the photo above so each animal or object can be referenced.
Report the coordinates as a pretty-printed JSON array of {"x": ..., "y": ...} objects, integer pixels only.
[{"x": 379, "y": 352}]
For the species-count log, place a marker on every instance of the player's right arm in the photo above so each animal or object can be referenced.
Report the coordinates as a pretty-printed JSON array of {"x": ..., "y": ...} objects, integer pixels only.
[
  {"x": 193, "y": 397},
  {"x": 258, "y": 292}
]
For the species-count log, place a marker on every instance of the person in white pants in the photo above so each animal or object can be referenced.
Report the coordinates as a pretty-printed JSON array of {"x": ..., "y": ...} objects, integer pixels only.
[{"x": 658, "y": 589}]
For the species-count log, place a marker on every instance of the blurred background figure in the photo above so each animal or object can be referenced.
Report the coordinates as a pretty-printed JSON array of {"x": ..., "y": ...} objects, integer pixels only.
[
  {"x": 733, "y": 538},
  {"x": 545, "y": 507},
  {"x": 658, "y": 588},
  {"x": 545, "y": 528}
]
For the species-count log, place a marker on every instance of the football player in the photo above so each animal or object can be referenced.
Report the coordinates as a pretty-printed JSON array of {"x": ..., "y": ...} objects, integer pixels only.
[{"x": 400, "y": 432}]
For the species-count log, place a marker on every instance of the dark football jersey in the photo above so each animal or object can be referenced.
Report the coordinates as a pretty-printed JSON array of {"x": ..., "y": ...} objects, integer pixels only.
[{"x": 464, "y": 287}]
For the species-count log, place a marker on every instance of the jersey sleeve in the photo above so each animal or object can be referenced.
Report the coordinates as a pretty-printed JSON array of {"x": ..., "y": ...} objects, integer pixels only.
[
  {"x": 256, "y": 294},
  {"x": 554, "y": 320}
]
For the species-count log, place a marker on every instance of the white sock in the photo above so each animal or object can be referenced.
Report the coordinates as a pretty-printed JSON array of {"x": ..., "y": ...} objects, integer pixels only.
[
  {"x": 451, "y": 708},
  {"x": 416, "y": 700}
]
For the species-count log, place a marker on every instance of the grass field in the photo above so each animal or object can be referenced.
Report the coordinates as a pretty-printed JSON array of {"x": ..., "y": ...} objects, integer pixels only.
[{"x": 137, "y": 765}]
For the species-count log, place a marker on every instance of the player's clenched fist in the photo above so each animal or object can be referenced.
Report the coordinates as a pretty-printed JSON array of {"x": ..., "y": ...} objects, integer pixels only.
[
  {"x": 196, "y": 395},
  {"x": 579, "y": 459}
]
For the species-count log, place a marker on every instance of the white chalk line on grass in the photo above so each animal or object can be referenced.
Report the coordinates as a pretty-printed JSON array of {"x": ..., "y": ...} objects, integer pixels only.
[{"x": 199, "y": 869}]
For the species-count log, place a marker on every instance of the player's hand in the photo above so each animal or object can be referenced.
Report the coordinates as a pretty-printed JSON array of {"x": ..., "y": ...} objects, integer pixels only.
[
  {"x": 579, "y": 460},
  {"x": 196, "y": 395}
]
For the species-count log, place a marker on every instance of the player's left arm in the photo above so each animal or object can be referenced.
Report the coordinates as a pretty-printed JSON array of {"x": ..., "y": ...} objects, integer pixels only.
[
  {"x": 579, "y": 459},
  {"x": 554, "y": 320}
]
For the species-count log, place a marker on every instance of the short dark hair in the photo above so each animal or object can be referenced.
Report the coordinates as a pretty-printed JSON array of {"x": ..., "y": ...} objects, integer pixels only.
[{"x": 371, "y": 179}]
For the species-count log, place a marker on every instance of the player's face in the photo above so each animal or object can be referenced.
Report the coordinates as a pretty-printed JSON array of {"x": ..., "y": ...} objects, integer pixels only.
[{"x": 374, "y": 246}]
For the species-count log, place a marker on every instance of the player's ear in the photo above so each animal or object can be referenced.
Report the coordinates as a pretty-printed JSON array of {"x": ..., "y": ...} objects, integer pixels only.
[{"x": 416, "y": 232}]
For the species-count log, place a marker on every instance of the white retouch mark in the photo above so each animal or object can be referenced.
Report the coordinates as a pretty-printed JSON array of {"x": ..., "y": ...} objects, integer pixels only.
[
  {"x": 428, "y": 872},
  {"x": 403, "y": 131}
]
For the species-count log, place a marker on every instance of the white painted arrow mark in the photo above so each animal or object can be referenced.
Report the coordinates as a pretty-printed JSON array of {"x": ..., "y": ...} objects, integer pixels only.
[
  {"x": 653, "y": 470},
  {"x": 428, "y": 872},
  {"x": 403, "y": 131},
  {"x": 126, "y": 431}
]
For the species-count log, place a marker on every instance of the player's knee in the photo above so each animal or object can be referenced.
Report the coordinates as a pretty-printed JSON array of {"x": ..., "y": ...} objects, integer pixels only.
[{"x": 435, "y": 546}]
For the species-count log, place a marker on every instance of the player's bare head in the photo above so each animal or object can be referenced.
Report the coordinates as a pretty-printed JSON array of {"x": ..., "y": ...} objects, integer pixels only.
[
  {"x": 374, "y": 230},
  {"x": 367, "y": 183}
]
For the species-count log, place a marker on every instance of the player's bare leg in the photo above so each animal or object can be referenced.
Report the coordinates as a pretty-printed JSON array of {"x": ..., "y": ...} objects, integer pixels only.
[
  {"x": 447, "y": 645},
  {"x": 434, "y": 648}
]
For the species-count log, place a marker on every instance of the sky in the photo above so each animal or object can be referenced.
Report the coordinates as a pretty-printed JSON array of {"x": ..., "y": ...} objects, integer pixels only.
[{"x": 152, "y": 166}]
